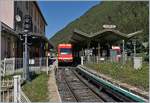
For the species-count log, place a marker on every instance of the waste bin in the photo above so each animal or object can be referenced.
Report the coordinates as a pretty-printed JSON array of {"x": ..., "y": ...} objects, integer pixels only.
[{"x": 137, "y": 62}]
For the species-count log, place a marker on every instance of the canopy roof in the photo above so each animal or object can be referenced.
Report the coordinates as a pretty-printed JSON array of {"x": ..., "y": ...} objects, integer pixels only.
[
  {"x": 103, "y": 36},
  {"x": 6, "y": 28}
]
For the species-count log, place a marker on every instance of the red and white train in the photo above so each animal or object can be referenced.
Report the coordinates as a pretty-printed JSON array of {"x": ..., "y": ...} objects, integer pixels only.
[{"x": 65, "y": 53}]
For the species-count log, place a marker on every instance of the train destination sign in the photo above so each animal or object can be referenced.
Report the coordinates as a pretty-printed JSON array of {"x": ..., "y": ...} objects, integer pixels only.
[{"x": 109, "y": 26}]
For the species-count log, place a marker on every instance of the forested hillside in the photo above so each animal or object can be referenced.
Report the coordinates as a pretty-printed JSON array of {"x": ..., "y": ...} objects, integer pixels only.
[{"x": 127, "y": 16}]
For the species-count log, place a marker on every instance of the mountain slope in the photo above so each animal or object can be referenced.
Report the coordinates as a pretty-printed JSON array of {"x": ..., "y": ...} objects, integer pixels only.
[{"x": 127, "y": 16}]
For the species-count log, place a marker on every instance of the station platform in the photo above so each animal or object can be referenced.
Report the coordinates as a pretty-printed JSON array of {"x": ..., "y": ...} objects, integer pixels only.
[
  {"x": 52, "y": 87},
  {"x": 126, "y": 86}
]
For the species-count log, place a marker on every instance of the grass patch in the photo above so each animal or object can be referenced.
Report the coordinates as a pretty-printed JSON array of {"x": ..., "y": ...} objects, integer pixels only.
[
  {"x": 126, "y": 73},
  {"x": 37, "y": 89}
]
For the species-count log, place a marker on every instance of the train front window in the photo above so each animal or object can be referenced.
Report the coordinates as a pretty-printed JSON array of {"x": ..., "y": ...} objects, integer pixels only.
[{"x": 65, "y": 51}]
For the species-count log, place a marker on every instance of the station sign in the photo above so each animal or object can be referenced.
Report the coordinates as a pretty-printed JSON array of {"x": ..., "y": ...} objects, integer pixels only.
[{"x": 109, "y": 26}]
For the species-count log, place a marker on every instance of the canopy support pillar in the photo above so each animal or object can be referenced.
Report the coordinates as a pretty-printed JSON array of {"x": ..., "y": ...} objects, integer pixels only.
[
  {"x": 88, "y": 47},
  {"x": 98, "y": 52}
]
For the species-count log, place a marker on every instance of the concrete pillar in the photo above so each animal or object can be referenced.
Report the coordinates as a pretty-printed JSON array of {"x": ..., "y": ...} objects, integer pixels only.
[
  {"x": 82, "y": 52},
  {"x": 98, "y": 52},
  {"x": 81, "y": 60},
  {"x": 123, "y": 58},
  {"x": 88, "y": 47},
  {"x": 134, "y": 46},
  {"x": 17, "y": 88},
  {"x": 40, "y": 60}
]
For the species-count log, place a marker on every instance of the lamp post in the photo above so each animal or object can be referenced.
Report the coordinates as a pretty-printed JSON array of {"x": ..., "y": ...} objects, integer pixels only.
[
  {"x": 27, "y": 27},
  {"x": 26, "y": 57}
]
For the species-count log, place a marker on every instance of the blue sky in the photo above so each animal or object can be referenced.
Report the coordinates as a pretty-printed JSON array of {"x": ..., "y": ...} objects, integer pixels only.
[{"x": 60, "y": 13}]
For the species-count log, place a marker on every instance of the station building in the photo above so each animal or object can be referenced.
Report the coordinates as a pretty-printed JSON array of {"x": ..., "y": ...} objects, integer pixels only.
[{"x": 11, "y": 30}]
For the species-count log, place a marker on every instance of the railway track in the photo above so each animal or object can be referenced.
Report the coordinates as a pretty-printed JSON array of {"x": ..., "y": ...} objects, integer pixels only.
[
  {"x": 74, "y": 86},
  {"x": 64, "y": 90},
  {"x": 72, "y": 89}
]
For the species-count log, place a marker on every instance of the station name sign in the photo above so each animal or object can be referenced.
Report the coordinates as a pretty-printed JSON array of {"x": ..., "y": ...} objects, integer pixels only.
[{"x": 109, "y": 26}]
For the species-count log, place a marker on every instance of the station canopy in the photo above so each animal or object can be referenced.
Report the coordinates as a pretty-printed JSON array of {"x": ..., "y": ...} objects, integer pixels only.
[{"x": 104, "y": 36}]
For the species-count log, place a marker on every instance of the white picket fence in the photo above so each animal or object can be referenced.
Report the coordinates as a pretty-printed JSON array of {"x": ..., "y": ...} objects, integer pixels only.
[
  {"x": 8, "y": 66},
  {"x": 11, "y": 91},
  {"x": 14, "y": 65}
]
